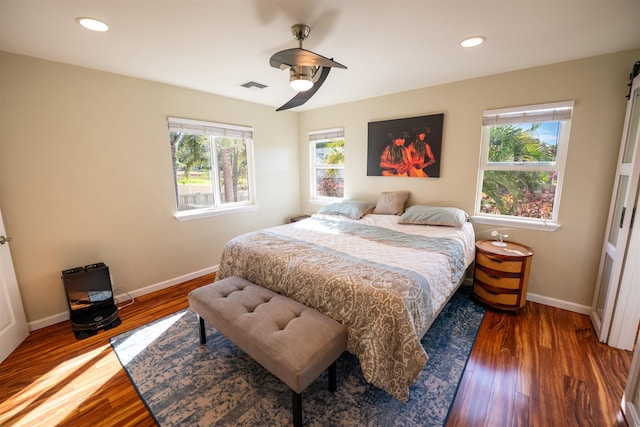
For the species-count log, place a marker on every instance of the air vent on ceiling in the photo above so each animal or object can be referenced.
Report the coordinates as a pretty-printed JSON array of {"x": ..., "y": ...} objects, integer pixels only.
[{"x": 253, "y": 85}]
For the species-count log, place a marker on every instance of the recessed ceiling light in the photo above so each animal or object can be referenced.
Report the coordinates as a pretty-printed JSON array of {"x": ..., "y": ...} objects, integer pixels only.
[
  {"x": 473, "y": 41},
  {"x": 92, "y": 24}
]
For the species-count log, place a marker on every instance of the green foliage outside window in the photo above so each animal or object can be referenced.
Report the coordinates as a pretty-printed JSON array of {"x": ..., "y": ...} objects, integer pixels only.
[
  {"x": 329, "y": 180},
  {"x": 193, "y": 152},
  {"x": 513, "y": 188},
  {"x": 193, "y": 166},
  {"x": 233, "y": 170}
]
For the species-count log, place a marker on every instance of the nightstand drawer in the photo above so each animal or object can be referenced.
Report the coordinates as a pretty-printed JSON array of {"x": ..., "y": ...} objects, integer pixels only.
[
  {"x": 499, "y": 299},
  {"x": 496, "y": 263},
  {"x": 497, "y": 280}
]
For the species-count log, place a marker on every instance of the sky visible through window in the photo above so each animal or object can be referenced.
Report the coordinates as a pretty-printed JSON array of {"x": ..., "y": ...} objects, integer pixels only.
[{"x": 548, "y": 132}]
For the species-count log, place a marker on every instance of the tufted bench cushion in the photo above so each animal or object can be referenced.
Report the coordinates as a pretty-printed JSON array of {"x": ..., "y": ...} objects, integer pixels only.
[{"x": 292, "y": 341}]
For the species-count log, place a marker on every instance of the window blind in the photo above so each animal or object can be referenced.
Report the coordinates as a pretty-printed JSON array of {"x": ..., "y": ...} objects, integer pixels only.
[
  {"x": 320, "y": 135},
  {"x": 209, "y": 128},
  {"x": 533, "y": 114}
]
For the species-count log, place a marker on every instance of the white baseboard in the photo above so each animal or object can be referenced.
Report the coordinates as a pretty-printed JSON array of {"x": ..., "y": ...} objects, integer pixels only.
[
  {"x": 61, "y": 317},
  {"x": 163, "y": 285},
  {"x": 540, "y": 299},
  {"x": 48, "y": 321},
  {"x": 565, "y": 305}
]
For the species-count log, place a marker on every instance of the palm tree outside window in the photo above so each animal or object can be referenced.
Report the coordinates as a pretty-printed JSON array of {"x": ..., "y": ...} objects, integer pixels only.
[
  {"x": 522, "y": 164},
  {"x": 326, "y": 149},
  {"x": 211, "y": 165}
]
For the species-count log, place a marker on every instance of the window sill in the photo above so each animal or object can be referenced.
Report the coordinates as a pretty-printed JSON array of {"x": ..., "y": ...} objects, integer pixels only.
[
  {"x": 206, "y": 213},
  {"x": 518, "y": 223}
]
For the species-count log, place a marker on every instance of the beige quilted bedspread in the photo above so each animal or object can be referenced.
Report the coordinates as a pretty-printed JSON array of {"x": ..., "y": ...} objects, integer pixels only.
[{"x": 377, "y": 282}]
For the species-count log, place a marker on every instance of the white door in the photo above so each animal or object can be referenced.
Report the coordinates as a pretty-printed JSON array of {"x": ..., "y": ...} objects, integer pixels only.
[
  {"x": 621, "y": 216},
  {"x": 13, "y": 323},
  {"x": 624, "y": 326}
]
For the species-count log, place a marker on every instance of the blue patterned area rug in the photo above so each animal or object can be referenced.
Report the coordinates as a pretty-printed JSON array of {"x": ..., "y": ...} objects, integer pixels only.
[{"x": 186, "y": 384}]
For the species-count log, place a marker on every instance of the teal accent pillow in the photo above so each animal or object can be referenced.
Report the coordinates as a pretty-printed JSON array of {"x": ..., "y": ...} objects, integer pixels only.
[
  {"x": 434, "y": 215},
  {"x": 355, "y": 209}
]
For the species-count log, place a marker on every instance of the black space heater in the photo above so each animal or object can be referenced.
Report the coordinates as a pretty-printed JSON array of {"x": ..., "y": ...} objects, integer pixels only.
[{"x": 90, "y": 297}]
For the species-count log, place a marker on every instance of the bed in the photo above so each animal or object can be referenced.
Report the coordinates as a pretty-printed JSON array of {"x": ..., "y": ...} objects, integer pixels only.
[{"x": 384, "y": 280}]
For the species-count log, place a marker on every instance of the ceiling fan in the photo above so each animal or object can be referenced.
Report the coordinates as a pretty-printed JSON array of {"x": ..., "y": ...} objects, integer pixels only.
[{"x": 307, "y": 69}]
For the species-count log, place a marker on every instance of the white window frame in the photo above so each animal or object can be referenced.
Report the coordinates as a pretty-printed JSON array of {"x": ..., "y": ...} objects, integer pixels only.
[
  {"x": 559, "y": 111},
  {"x": 315, "y": 137},
  {"x": 211, "y": 130}
]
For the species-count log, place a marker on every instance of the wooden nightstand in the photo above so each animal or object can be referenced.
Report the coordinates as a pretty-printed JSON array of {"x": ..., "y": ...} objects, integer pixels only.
[
  {"x": 501, "y": 274},
  {"x": 299, "y": 218}
]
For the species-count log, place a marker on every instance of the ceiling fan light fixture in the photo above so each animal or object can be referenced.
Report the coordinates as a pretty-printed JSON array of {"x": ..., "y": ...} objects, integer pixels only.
[
  {"x": 301, "y": 78},
  {"x": 473, "y": 41},
  {"x": 300, "y": 83},
  {"x": 308, "y": 70}
]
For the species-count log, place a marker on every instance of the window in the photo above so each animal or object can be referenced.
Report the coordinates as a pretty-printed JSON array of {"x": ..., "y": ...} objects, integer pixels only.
[
  {"x": 212, "y": 167},
  {"x": 327, "y": 164},
  {"x": 522, "y": 165}
]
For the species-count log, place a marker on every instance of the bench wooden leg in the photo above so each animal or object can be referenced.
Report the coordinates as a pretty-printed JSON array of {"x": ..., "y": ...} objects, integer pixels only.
[
  {"x": 203, "y": 335},
  {"x": 332, "y": 377},
  {"x": 297, "y": 409}
]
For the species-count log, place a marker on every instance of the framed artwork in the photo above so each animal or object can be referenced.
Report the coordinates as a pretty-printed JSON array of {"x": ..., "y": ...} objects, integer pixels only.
[{"x": 408, "y": 147}]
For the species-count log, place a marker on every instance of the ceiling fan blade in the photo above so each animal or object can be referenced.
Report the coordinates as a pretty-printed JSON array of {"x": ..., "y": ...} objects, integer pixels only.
[
  {"x": 302, "y": 97},
  {"x": 301, "y": 57}
]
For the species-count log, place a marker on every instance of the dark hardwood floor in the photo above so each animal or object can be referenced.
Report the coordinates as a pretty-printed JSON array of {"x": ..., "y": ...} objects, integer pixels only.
[{"x": 543, "y": 367}]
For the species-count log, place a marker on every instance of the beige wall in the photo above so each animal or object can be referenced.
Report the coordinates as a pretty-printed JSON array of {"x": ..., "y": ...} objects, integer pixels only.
[
  {"x": 566, "y": 261},
  {"x": 85, "y": 169},
  {"x": 85, "y": 176}
]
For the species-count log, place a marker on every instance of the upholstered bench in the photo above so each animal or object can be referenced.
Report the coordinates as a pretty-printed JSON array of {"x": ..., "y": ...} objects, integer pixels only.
[{"x": 292, "y": 341}]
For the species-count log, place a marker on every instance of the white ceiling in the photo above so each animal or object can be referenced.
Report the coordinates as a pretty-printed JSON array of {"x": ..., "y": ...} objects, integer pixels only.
[{"x": 388, "y": 46}]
